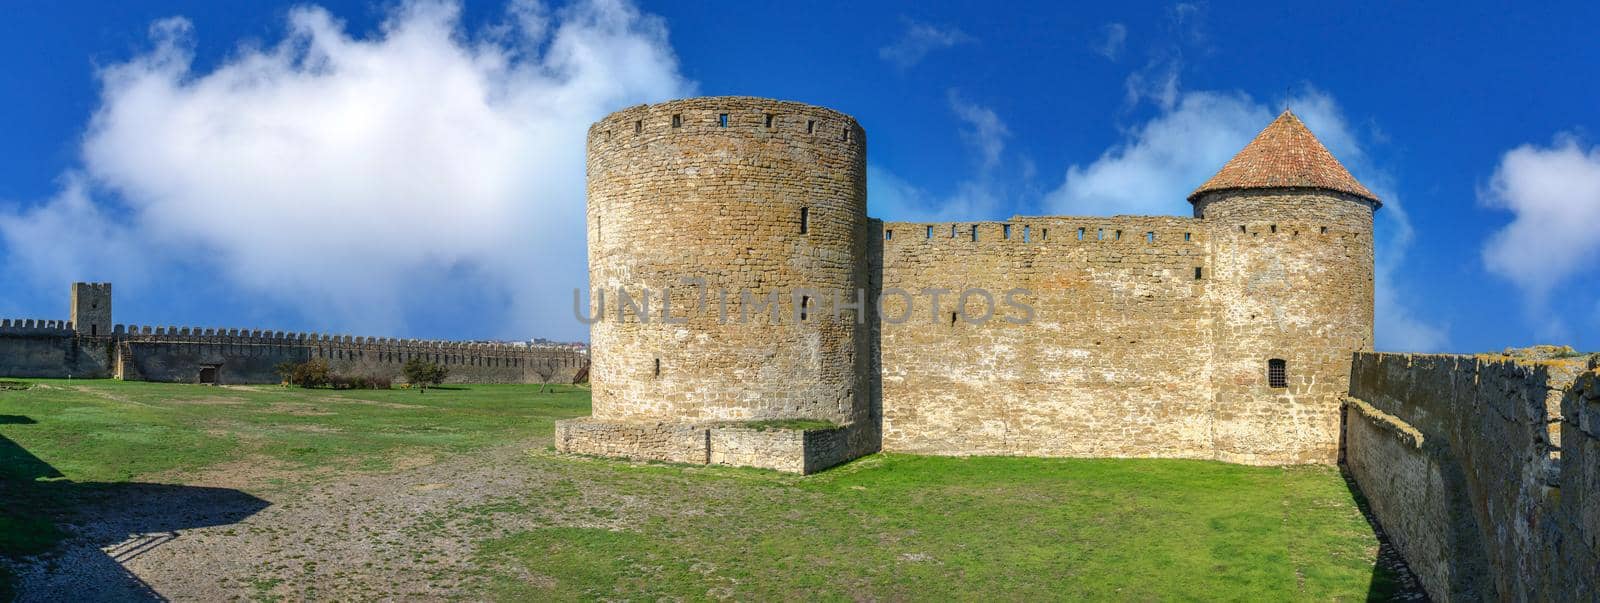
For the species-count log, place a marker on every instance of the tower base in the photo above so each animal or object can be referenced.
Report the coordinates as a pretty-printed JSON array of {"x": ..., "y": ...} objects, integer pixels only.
[{"x": 802, "y": 451}]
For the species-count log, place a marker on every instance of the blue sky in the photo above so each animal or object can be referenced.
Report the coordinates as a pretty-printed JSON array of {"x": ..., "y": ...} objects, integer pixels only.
[{"x": 415, "y": 169}]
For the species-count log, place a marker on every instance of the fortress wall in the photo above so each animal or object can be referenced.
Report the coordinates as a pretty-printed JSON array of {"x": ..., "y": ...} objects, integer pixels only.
[
  {"x": 748, "y": 195},
  {"x": 1484, "y": 472},
  {"x": 47, "y": 349},
  {"x": 1293, "y": 282},
  {"x": 176, "y": 354},
  {"x": 1116, "y": 360}
]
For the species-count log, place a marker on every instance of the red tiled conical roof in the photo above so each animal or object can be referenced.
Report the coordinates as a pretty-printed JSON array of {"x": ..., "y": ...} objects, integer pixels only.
[{"x": 1284, "y": 155}]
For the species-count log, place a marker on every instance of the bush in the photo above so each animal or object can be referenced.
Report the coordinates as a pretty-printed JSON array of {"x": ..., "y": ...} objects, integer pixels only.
[
  {"x": 311, "y": 373},
  {"x": 422, "y": 373},
  {"x": 360, "y": 382}
]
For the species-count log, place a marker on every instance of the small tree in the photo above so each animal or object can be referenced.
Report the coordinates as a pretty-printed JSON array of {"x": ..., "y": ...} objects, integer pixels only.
[
  {"x": 422, "y": 373},
  {"x": 544, "y": 370},
  {"x": 311, "y": 373},
  {"x": 285, "y": 371}
]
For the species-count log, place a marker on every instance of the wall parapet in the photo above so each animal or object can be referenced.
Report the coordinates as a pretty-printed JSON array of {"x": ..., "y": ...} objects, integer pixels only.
[
  {"x": 1503, "y": 501},
  {"x": 177, "y": 334},
  {"x": 30, "y": 326},
  {"x": 1051, "y": 229}
]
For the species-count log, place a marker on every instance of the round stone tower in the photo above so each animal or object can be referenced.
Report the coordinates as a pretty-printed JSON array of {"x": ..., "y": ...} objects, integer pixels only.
[
  {"x": 1292, "y": 291},
  {"x": 762, "y": 201}
]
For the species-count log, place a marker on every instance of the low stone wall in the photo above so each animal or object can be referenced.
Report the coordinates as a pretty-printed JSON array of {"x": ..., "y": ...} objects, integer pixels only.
[
  {"x": 27, "y": 352},
  {"x": 52, "y": 349},
  {"x": 1483, "y": 471},
  {"x": 789, "y": 450}
]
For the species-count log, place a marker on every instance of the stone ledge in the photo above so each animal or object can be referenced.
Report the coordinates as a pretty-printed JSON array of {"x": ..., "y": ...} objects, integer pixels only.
[{"x": 789, "y": 450}]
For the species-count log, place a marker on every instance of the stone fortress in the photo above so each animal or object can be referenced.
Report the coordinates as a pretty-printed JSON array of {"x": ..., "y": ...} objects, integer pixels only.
[
  {"x": 1223, "y": 336},
  {"x": 89, "y": 345},
  {"x": 1243, "y": 334}
]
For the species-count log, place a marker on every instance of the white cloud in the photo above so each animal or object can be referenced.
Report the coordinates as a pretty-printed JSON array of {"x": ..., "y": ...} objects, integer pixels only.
[
  {"x": 977, "y": 197},
  {"x": 918, "y": 40},
  {"x": 1157, "y": 165},
  {"x": 983, "y": 131},
  {"x": 1113, "y": 37},
  {"x": 336, "y": 174},
  {"x": 1554, "y": 195}
]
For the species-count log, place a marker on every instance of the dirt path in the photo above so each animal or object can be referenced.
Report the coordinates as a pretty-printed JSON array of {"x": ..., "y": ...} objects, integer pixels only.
[{"x": 390, "y": 535}]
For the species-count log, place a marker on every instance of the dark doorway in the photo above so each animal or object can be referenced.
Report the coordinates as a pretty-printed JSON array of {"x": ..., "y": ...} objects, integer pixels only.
[{"x": 208, "y": 374}]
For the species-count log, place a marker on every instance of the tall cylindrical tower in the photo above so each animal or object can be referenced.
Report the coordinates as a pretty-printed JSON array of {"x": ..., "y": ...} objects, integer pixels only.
[
  {"x": 762, "y": 201},
  {"x": 1292, "y": 294}
]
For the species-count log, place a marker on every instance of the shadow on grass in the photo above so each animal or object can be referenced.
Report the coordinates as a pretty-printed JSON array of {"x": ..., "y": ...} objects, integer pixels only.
[
  {"x": 112, "y": 523},
  {"x": 1392, "y": 579}
]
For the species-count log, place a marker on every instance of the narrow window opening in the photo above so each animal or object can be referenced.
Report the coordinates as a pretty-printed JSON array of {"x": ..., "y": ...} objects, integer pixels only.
[
  {"x": 805, "y": 220},
  {"x": 805, "y": 307},
  {"x": 888, "y": 235},
  {"x": 811, "y": 126},
  {"x": 677, "y": 121},
  {"x": 952, "y": 231},
  {"x": 1080, "y": 234},
  {"x": 638, "y": 126},
  {"x": 608, "y": 134},
  {"x": 1324, "y": 230},
  {"x": 1274, "y": 228},
  {"x": 1241, "y": 228},
  {"x": 1186, "y": 236},
  {"x": 974, "y": 232},
  {"x": 952, "y": 319},
  {"x": 769, "y": 120},
  {"x": 1277, "y": 373},
  {"x": 1100, "y": 234},
  {"x": 1199, "y": 273},
  {"x": 1044, "y": 234},
  {"x": 1005, "y": 231},
  {"x": 1150, "y": 237},
  {"x": 1026, "y": 233},
  {"x": 658, "y": 367},
  {"x": 1117, "y": 236},
  {"x": 722, "y": 120},
  {"x": 930, "y": 232},
  {"x": 847, "y": 133},
  {"x": 94, "y": 330}
]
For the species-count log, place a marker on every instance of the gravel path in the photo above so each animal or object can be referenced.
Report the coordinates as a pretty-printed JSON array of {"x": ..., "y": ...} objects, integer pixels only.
[{"x": 393, "y": 536}]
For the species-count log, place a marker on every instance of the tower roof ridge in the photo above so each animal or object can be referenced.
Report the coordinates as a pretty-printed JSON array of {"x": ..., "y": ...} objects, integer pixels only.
[{"x": 1285, "y": 155}]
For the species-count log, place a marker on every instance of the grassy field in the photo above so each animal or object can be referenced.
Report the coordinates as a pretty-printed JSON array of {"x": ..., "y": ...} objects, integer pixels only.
[{"x": 886, "y": 527}]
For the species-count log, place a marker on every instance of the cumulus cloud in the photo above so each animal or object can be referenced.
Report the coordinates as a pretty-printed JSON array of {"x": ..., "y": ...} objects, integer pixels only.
[
  {"x": 918, "y": 40},
  {"x": 1159, "y": 162},
  {"x": 978, "y": 196},
  {"x": 359, "y": 178},
  {"x": 1113, "y": 36},
  {"x": 1553, "y": 193}
]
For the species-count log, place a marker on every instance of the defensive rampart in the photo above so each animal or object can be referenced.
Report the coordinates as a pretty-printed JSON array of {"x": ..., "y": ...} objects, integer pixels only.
[
  {"x": 1113, "y": 360},
  {"x": 1484, "y": 471},
  {"x": 56, "y": 349}
]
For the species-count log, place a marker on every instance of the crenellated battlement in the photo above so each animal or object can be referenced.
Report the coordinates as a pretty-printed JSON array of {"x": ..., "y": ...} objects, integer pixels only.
[
  {"x": 30, "y": 326},
  {"x": 1148, "y": 230},
  {"x": 175, "y": 334}
]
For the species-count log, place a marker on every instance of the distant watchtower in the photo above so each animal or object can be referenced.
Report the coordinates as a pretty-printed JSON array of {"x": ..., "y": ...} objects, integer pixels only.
[{"x": 91, "y": 308}]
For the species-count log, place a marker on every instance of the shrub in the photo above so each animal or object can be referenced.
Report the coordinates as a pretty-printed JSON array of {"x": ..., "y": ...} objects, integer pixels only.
[
  {"x": 311, "y": 373},
  {"x": 422, "y": 373},
  {"x": 360, "y": 382}
]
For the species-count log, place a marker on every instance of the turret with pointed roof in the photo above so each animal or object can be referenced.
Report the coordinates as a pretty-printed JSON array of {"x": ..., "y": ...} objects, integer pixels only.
[
  {"x": 1291, "y": 288},
  {"x": 1284, "y": 155}
]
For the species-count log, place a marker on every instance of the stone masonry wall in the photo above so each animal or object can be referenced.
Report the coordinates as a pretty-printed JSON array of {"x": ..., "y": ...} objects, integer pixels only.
[
  {"x": 1116, "y": 360},
  {"x": 1293, "y": 281},
  {"x": 1482, "y": 471},
  {"x": 750, "y": 196},
  {"x": 176, "y": 354}
]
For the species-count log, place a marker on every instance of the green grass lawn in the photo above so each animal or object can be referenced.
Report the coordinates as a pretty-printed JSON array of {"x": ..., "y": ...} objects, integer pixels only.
[{"x": 887, "y": 527}]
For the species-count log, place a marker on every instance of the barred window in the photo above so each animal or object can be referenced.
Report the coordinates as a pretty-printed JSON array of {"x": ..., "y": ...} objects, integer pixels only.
[{"x": 1277, "y": 373}]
